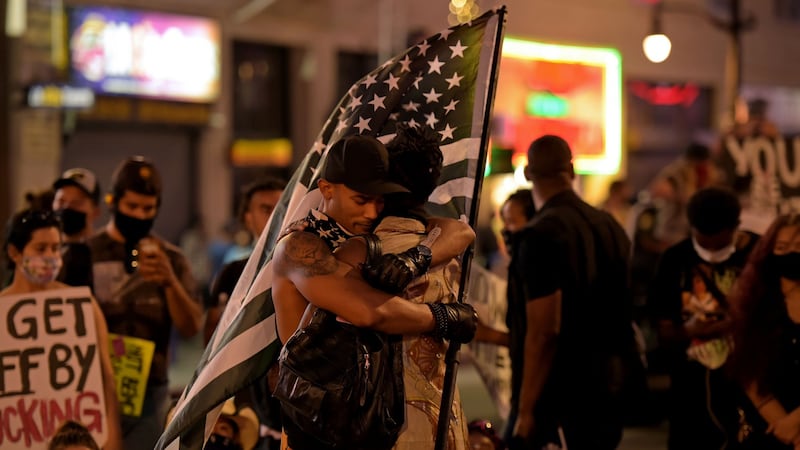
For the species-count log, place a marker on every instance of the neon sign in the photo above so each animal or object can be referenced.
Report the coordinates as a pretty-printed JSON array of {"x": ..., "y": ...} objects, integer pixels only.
[
  {"x": 574, "y": 92},
  {"x": 147, "y": 54}
]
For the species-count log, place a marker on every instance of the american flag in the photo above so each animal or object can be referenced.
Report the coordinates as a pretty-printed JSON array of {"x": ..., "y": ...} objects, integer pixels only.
[{"x": 446, "y": 83}]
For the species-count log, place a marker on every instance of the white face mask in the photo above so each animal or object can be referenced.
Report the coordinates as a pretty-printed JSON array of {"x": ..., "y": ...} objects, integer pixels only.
[
  {"x": 41, "y": 270},
  {"x": 714, "y": 256}
]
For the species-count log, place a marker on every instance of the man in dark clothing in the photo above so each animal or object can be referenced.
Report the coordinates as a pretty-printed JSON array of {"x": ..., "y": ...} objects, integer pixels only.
[
  {"x": 689, "y": 297},
  {"x": 570, "y": 267},
  {"x": 259, "y": 199},
  {"x": 77, "y": 203}
]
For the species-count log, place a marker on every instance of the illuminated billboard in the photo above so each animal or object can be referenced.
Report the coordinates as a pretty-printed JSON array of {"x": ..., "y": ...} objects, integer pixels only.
[
  {"x": 146, "y": 54},
  {"x": 573, "y": 92}
]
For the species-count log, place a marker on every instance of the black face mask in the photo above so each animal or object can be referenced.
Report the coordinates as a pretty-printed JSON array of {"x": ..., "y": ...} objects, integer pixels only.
[
  {"x": 218, "y": 442},
  {"x": 131, "y": 228},
  {"x": 72, "y": 221},
  {"x": 788, "y": 265}
]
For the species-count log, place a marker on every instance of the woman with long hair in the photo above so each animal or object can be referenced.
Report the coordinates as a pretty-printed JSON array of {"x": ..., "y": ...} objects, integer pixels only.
[
  {"x": 33, "y": 248},
  {"x": 766, "y": 359}
]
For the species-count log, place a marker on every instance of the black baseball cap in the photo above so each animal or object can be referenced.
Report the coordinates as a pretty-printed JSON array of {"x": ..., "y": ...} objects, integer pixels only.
[
  {"x": 136, "y": 174},
  {"x": 548, "y": 156},
  {"x": 83, "y": 179},
  {"x": 361, "y": 163}
]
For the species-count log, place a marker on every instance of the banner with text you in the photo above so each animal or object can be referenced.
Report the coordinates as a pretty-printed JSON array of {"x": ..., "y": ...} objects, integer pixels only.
[{"x": 49, "y": 367}]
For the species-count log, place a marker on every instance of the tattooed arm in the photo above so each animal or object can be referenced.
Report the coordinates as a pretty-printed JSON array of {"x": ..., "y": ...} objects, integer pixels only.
[{"x": 305, "y": 269}]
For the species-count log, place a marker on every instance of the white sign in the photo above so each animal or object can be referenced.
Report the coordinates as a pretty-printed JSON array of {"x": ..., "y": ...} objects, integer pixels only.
[{"x": 50, "y": 369}]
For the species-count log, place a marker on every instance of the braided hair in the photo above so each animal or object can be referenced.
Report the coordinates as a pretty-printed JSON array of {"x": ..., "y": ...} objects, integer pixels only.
[{"x": 415, "y": 161}]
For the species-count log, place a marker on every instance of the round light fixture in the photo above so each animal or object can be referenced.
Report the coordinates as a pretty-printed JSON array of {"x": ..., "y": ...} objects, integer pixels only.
[{"x": 657, "y": 47}]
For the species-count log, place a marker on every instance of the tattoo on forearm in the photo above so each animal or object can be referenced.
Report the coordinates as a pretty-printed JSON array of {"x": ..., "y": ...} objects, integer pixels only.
[{"x": 307, "y": 253}]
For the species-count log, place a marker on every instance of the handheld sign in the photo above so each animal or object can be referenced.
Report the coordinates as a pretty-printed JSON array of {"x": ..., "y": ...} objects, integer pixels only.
[
  {"x": 50, "y": 369},
  {"x": 131, "y": 358},
  {"x": 487, "y": 294}
]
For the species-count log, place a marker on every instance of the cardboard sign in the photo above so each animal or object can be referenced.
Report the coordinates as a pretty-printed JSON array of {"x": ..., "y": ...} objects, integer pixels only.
[
  {"x": 769, "y": 168},
  {"x": 50, "y": 368},
  {"x": 487, "y": 294},
  {"x": 131, "y": 358}
]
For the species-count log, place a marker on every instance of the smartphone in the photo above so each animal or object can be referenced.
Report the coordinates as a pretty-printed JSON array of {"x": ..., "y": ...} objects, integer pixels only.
[{"x": 148, "y": 247}]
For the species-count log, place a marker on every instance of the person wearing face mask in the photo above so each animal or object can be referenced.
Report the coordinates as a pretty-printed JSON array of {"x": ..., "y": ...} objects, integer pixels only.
[
  {"x": 689, "y": 296},
  {"x": 144, "y": 286},
  {"x": 33, "y": 248},
  {"x": 76, "y": 202},
  {"x": 765, "y": 307}
]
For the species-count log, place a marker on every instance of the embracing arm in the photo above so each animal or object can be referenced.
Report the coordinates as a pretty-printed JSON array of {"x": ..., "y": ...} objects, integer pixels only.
[
  {"x": 459, "y": 236},
  {"x": 114, "y": 437},
  {"x": 306, "y": 261},
  {"x": 543, "y": 316}
]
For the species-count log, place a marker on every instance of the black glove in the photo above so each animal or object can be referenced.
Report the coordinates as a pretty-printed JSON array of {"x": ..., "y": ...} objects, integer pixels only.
[
  {"x": 455, "y": 322},
  {"x": 393, "y": 272}
]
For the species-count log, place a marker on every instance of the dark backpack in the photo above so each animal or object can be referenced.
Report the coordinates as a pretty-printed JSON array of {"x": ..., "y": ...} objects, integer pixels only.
[{"x": 341, "y": 386}]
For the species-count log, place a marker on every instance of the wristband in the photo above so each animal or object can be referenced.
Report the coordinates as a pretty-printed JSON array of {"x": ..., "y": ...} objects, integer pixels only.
[{"x": 440, "y": 317}]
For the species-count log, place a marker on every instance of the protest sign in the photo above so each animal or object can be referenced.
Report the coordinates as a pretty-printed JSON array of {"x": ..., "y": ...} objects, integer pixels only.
[
  {"x": 487, "y": 294},
  {"x": 766, "y": 168},
  {"x": 131, "y": 358},
  {"x": 50, "y": 369}
]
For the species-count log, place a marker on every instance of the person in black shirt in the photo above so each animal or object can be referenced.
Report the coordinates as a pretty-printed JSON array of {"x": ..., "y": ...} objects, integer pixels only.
[
  {"x": 259, "y": 199},
  {"x": 570, "y": 265},
  {"x": 689, "y": 297},
  {"x": 76, "y": 202}
]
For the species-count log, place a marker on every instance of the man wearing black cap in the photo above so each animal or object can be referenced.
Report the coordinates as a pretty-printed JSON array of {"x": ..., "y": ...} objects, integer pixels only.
[
  {"x": 353, "y": 182},
  {"x": 569, "y": 317},
  {"x": 76, "y": 201},
  {"x": 144, "y": 286}
]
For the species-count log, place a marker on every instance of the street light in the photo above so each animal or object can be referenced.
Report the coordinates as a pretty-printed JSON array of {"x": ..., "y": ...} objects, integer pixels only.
[{"x": 657, "y": 46}]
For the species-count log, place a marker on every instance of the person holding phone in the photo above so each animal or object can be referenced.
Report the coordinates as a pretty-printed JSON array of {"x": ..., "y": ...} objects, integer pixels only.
[{"x": 144, "y": 286}]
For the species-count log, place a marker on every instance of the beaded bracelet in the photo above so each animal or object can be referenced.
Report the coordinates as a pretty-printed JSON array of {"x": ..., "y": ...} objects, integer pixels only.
[{"x": 440, "y": 317}]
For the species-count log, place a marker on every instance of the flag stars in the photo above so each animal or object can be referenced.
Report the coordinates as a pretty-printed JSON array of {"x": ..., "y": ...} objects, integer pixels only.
[
  {"x": 435, "y": 66},
  {"x": 369, "y": 80},
  {"x": 432, "y": 96},
  {"x": 413, "y": 123},
  {"x": 447, "y": 132},
  {"x": 411, "y": 106},
  {"x": 416, "y": 81},
  {"x": 445, "y": 34},
  {"x": 393, "y": 82},
  {"x": 451, "y": 106},
  {"x": 423, "y": 48},
  {"x": 354, "y": 102},
  {"x": 318, "y": 147},
  {"x": 377, "y": 102},
  {"x": 387, "y": 63},
  {"x": 405, "y": 64},
  {"x": 458, "y": 49},
  {"x": 363, "y": 124},
  {"x": 454, "y": 81},
  {"x": 431, "y": 120},
  {"x": 341, "y": 126}
]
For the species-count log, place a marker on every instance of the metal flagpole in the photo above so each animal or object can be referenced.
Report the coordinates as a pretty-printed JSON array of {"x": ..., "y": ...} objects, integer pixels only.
[{"x": 452, "y": 355}]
